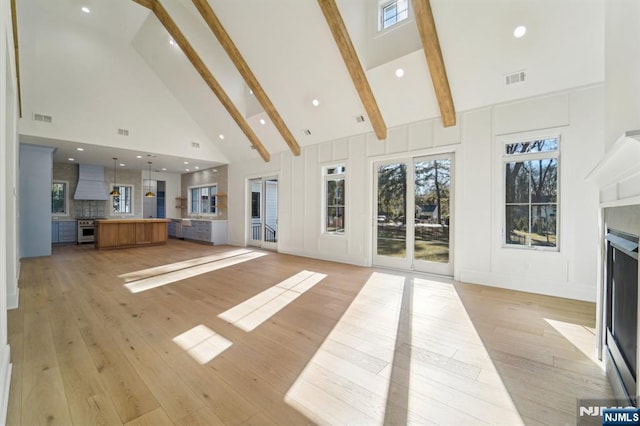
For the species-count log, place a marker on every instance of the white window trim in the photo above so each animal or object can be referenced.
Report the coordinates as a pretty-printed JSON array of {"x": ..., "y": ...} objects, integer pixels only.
[
  {"x": 504, "y": 158},
  {"x": 379, "y": 14},
  {"x": 66, "y": 198},
  {"x": 201, "y": 215},
  {"x": 133, "y": 201},
  {"x": 324, "y": 178}
]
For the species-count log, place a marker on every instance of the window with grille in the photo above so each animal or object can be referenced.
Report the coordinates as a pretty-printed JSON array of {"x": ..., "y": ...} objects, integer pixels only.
[{"x": 531, "y": 193}]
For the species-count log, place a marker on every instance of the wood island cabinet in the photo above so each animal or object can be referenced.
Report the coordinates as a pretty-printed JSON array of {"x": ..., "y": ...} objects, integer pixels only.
[{"x": 112, "y": 234}]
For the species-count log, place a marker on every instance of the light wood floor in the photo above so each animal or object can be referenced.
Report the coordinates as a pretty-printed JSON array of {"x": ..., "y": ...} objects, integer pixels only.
[{"x": 360, "y": 346}]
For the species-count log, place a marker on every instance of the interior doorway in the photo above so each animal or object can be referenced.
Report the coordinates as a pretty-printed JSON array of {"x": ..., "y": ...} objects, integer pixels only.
[
  {"x": 414, "y": 214},
  {"x": 262, "y": 208}
]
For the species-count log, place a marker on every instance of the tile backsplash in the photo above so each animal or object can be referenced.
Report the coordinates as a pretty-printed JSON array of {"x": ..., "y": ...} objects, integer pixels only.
[{"x": 89, "y": 208}]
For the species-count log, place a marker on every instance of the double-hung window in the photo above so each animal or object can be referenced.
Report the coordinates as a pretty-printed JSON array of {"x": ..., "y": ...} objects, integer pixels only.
[
  {"x": 531, "y": 193},
  {"x": 334, "y": 199},
  {"x": 123, "y": 203},
  {"x": 59, "y": 198},
  {"x": 203, "y": 200}
]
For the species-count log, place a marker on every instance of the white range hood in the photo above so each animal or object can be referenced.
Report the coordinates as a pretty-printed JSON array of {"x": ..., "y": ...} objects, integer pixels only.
[{"x": 91, "y": 184}]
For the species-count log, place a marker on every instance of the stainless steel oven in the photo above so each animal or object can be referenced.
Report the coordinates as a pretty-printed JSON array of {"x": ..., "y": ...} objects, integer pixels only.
[{"x": 86, "y": 231}]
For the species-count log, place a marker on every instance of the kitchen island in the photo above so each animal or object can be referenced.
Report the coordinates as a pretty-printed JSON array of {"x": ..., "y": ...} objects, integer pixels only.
[{"x": 123, "y": 233}]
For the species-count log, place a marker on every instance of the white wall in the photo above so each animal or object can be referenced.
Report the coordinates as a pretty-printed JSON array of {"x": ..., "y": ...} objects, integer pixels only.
[
  {"x": 622, "y": 68},
  {"x": 8, "y": 183},
  {"x": 172, "y": 191},
  {"x": 577, "y": 116},
  {"x": 114, "y": 89}
]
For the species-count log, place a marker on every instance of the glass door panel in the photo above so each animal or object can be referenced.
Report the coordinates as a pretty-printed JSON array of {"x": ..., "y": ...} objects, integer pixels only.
[
  {"x": 391, "y": 222},
  {"x": 263, "y": 212},
  {"x": 413, "y": 231},
  {"x": 432, "y": 184},
  {"x": 255, "y": 225},
  {"x": 270, "y": 210}
]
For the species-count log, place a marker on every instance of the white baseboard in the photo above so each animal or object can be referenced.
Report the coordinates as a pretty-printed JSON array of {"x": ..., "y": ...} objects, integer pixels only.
[
  {"x": 530, "y": 285},
  {"x": 13, "y": 299},
  {"x": 5, "y": 377}
]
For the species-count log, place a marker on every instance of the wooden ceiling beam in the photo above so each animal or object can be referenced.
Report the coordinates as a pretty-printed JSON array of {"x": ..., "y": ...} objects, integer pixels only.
[
  {"x": 229, "y": 46},
  {"x": 172, "y": 28},
  {"x": 14, "y": 23},
  {"x": 350, "y": 57},
  {"x": 431, "y": 45}
]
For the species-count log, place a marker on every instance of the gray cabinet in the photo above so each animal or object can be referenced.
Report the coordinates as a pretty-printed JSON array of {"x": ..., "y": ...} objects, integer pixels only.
[
  {"x": 209, "y": 231},
  {"x": 64, "y": 231},
  {"x": 171, "y": 228}
]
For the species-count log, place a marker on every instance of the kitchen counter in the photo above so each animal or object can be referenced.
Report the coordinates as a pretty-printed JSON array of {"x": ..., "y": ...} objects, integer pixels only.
[
  {"x": 123, "y": 233},
  {"x": 202, "y": 230}
]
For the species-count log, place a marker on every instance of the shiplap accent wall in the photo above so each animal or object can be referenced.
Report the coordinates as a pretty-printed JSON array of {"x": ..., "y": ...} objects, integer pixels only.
[{"x": 478, "y": 254}]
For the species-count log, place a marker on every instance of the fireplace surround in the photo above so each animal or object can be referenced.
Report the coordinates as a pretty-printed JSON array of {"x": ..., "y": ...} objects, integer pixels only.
[{"x": 618, "y": 179}]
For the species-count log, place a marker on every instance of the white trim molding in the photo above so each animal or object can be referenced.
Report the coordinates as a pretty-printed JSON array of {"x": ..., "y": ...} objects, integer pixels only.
[{"x": 618, "y": 173}]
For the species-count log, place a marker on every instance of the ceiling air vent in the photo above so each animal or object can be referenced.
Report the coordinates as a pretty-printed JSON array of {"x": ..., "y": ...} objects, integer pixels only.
[
  {"x": 307, "y": 132},
  {"x": 123, "y": 132},
  {"x": 43, "y": 118},
  {"x": 195, "y": 145},
  {"x": 514, "y": 78},
  {"x": 360, "y": 119}
]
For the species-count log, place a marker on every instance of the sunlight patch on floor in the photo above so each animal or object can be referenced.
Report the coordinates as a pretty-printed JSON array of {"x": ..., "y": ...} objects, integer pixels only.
[
  {"x": 202, "y": 343},
  {"x": 404, "y": 352},
  {"x": 182, "y": 274},
  {"x": 583, "y": 338},
  {"x": 343, "y": 384},
  {"x": 172, "y": 267},
  {"x": 251, "y": 313}
]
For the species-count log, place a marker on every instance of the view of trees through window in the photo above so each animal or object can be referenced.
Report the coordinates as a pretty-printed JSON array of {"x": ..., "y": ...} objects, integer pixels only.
[
  {"x": 430, "y": 206},
  {"x": 58, "y": 198},
  {"x": 123, "y": 203},
  {"x": 531, "y": 193}
]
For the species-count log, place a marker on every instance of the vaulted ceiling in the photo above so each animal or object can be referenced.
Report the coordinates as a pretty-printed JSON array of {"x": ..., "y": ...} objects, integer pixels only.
[{"x": 117, "y": 67}]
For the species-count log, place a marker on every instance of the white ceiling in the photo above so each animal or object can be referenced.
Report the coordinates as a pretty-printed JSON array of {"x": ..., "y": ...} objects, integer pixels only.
[{"x": 290, "y": 49}]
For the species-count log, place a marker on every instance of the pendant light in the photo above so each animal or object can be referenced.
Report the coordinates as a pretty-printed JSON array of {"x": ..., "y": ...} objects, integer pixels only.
[
  {"x": 115, "y": 191},
  {"x": 149, "y": 194}
]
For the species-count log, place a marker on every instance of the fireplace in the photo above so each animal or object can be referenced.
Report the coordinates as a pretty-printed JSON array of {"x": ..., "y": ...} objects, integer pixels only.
[
  {"x": 621, "y": 313},
  {"x": 617, "y": 177}
]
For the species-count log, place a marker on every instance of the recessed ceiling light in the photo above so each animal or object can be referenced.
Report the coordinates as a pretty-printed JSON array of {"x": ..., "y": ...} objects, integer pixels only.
[
  {"x": 164, "y": 169},
  {"x": 221, "y": 136},
  {"x": 138, "y": 156},
  {"x": 197, "y": 168},
  {"x": 250, "y": 92},
  {"x": 520, "y": 31},
  {"x": 262, "y": 121},
  {"x": 399, "y": 72},
  {"x": 186, "y": 162},
  {"x": 122, "y": 164},
  {"x": 72, "y": 159},
  {"x": 315, "y": 102},
  {"x": 172, "y": 41},
  {"x": 85, "y": 9},
  {"x": 188, "y": 170},
  {"x": 79, "y": 149}
]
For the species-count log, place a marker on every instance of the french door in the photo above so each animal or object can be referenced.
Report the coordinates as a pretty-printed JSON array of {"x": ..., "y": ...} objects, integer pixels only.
[
  {"x": 414, "y": 214},
  {"x": 263, "y": 212}
]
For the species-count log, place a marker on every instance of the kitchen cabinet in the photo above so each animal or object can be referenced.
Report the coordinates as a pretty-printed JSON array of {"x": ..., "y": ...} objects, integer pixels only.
[
  {"x": 64, "y": 231},
  {"x": 115, "y": 233},
  {"x": 208, "y": 231},
  {"x": 171, "y": 228}
]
